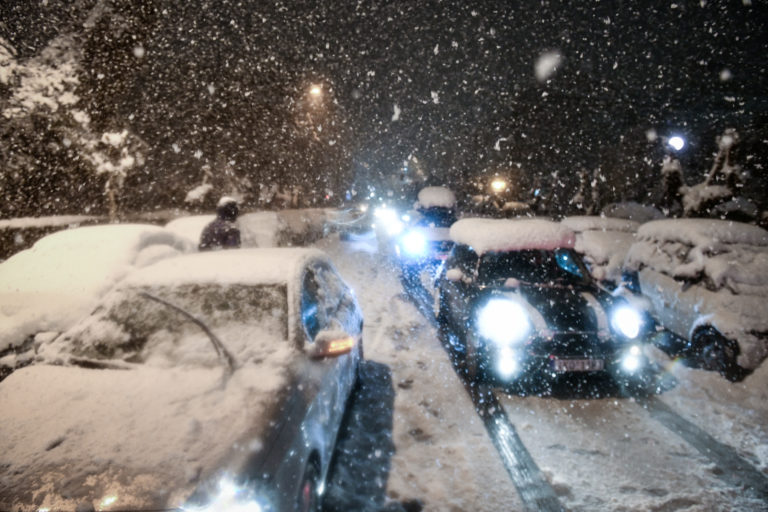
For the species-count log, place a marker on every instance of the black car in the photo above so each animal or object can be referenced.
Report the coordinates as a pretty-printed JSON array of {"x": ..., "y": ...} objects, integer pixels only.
[{"x": 524, "y": 307}]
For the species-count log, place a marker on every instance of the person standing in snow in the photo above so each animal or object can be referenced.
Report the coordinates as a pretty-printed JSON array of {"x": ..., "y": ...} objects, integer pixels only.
[{"x": 222, "y": 232}]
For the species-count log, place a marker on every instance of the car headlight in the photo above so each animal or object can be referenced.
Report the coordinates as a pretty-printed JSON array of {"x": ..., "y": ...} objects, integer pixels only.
[
  {"x": 414, "y": 243},
  {"x": 507, "y": 363},
  {"x": 503, "y": 321},
  {"x": 387, "y": 218},
  {"x": 627, "y": 321},
  {"x": 632, "y": 360}
]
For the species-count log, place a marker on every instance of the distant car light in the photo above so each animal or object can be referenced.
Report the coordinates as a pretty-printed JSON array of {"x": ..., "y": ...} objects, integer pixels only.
[
  {"x": 387, "y": 218},
  {"x": 503, "y": 321},
  {"x": 414, "y": 244},
  {"x": 627, "y": 321}
]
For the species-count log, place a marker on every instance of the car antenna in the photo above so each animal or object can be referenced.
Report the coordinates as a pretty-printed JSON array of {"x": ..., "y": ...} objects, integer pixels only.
[{"x": 221, "y": 350}]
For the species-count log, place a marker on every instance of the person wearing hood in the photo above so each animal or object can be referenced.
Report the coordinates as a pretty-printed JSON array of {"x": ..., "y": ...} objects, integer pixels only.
[{"x": 222, "y": 232}]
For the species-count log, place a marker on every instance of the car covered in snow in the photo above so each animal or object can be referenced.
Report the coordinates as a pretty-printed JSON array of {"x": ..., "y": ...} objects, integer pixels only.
[
  {"x": 426, "y": 241},
  {"x": 525, "y": 309},
  {"x": 603, "y": 243},
  {"x": 48, "y": 287},
  {"x": 212, "y": 381},
  {"x": 707, "y": 282}
]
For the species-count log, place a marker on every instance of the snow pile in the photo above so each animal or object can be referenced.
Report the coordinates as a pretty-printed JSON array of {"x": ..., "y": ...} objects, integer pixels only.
[
  {"x": 485, "y": 235},
  {"x": 604, "y": 242},
  {"x": 51, "y": 285},
  {"x": 44, "y": 222},
  {"x": 190, "y": 227},
  {"x": 436, "y": 197}
]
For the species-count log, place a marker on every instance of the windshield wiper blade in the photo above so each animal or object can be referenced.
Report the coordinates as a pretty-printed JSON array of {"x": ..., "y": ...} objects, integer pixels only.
[{"x": 221, "y": 350}]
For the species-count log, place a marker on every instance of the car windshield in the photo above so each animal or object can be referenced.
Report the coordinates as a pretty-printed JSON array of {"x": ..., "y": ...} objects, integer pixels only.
[
  {"x": 437, "y": 217},
  {"x": 131, "y": 326},
  {"x": 531, "y": 266}
]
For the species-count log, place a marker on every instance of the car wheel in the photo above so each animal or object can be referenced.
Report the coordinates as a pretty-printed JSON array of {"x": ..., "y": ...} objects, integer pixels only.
[
  {"x": 308, "y": 499},
  {"x": 717, "y": 353},
  {"x": 472, "y": 362}
]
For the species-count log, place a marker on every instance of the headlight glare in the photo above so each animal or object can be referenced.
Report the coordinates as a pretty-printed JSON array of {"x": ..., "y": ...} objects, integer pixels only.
[
  {"x": 414, "y": 243},
  {"x": 632, "y": 359},
  {"x": 627, "y": 321},
  {"x": 503, "y": 321}
]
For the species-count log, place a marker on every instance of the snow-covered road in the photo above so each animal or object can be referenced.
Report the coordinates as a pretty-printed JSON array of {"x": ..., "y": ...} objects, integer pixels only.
[{"x": 697, "y": 446}]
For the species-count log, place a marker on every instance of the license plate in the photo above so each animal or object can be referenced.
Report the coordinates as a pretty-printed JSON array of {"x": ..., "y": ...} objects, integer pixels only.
[{"x": 577, "y": 365}]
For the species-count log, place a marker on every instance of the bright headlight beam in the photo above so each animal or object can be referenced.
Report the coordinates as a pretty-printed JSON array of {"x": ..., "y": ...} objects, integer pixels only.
[
  {"x": 503, "y": 321},
  {"x": 627, "y": 321},
  {"x": 414, "y": 243}
]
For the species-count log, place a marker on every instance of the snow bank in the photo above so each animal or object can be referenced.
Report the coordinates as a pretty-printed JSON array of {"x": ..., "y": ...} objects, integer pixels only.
[
  {"x": 51, "y": 285},
  {"x": 485, "y": 235},
  {"x": 436, "y": 197}
]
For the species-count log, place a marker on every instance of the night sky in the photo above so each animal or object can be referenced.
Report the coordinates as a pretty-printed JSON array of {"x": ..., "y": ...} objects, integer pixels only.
[{"x": 461, "y": 74}]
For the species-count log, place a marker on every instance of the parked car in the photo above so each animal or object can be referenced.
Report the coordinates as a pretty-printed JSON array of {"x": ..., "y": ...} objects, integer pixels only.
[
  {"x": 50, "y": 286},
  {"x": 212, "y": 381},
  {"x": 707, "y": 282},
  {"x": 603, "y": 243},
  {"x": 525, "y": 308}
]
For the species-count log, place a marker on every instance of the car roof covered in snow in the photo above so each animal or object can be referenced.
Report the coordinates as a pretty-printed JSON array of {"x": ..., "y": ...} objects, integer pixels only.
[
  {"x": 487, "y": 235},
  {"x": 436, "y": 197},
  {"x": 580, "y": 223},
  {"x": 703, "y": 232},
  {"x": 233, "y": 266}
]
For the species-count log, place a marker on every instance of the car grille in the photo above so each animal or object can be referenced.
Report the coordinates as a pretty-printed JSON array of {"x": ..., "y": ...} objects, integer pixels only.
[{"x": 573, "y": 345}]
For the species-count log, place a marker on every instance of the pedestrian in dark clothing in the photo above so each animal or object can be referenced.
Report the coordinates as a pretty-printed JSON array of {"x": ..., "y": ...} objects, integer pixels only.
[{"x": 222, "y": 232}]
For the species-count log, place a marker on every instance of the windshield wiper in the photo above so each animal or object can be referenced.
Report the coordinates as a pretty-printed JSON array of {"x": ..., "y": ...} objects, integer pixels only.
[{"x": 221, "y": 350}]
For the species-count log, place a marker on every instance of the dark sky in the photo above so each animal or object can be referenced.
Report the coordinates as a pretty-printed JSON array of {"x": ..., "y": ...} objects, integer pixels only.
[{"x": 627, "y": 67}]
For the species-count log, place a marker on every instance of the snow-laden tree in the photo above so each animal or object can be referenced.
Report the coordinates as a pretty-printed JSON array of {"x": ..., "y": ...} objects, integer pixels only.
[
  {"x": 671, "y": 180},
  {"x": 719, "y": 194}
]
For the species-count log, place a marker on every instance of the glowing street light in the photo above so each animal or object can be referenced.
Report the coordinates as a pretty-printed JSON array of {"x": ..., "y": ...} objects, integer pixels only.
[
  {"x": 677, "y": 142},
  {"x": 499, "y": 185},
  {"x": 315, "y": 91}
]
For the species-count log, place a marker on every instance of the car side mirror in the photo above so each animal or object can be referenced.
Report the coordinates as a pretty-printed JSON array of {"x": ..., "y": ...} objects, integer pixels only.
[
  {"x": 454, "y": 275},
  {"x": 331, "y": 343}
]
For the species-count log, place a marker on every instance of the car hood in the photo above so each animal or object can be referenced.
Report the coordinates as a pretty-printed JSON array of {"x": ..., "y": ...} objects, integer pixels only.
[
  {"x": 139, "y": 439},
  {"x": 556, "y": 309}
]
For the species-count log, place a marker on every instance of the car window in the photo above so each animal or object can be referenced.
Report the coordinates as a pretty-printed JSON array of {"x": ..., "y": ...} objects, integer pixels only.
[
  {"x": 311, "y": 311},
  {"x": 463, "y": 258},
  {"x": 132, "y": 326},
  {"x": 533, "y": 266}
]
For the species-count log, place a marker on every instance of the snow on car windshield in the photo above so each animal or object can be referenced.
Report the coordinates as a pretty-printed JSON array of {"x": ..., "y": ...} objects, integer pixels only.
[{"x": 133, "y": 327}]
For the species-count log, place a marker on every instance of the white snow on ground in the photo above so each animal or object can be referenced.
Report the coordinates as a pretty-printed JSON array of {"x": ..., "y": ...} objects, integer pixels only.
[
  {"x": 485, "y": 235},
  {"x": 436, "y": 197},
  {"x": 443, "y": 454},
  {"x": 51, "y": 285},
  {"x": 44, "y": 222}
]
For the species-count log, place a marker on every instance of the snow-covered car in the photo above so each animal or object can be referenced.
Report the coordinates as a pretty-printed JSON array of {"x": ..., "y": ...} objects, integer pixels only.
[
  {"x": 51, "y": 285},
  {"x": 426, "y": 241},
  {"x": 707, "y": 282},
  {"x": 603, "y": 242},
  {"x": 212, "y": 381},
  {"x": 525, "y": 309}
]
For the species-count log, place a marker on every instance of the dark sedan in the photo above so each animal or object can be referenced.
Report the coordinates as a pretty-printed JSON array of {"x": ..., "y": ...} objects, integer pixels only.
[
  {"x": 213, "y": 381},
  {"x": 525, "y": 308}
]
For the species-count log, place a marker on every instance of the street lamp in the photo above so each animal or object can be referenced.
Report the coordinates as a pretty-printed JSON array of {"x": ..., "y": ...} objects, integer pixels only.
[
  {"x": 676, "y": 142},
  {"x": 498, "y": 185}
]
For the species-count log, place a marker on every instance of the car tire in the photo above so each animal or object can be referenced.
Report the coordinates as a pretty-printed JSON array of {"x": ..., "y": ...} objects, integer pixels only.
[
  {"x": 308, "y": 499},
  {"x": 717, "y": 353}
]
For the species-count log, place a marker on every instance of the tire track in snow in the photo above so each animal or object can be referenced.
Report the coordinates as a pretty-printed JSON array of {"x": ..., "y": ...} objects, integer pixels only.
[
  {"x": 734, "y": 470},
  {"x": 534, "y": 490}
]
